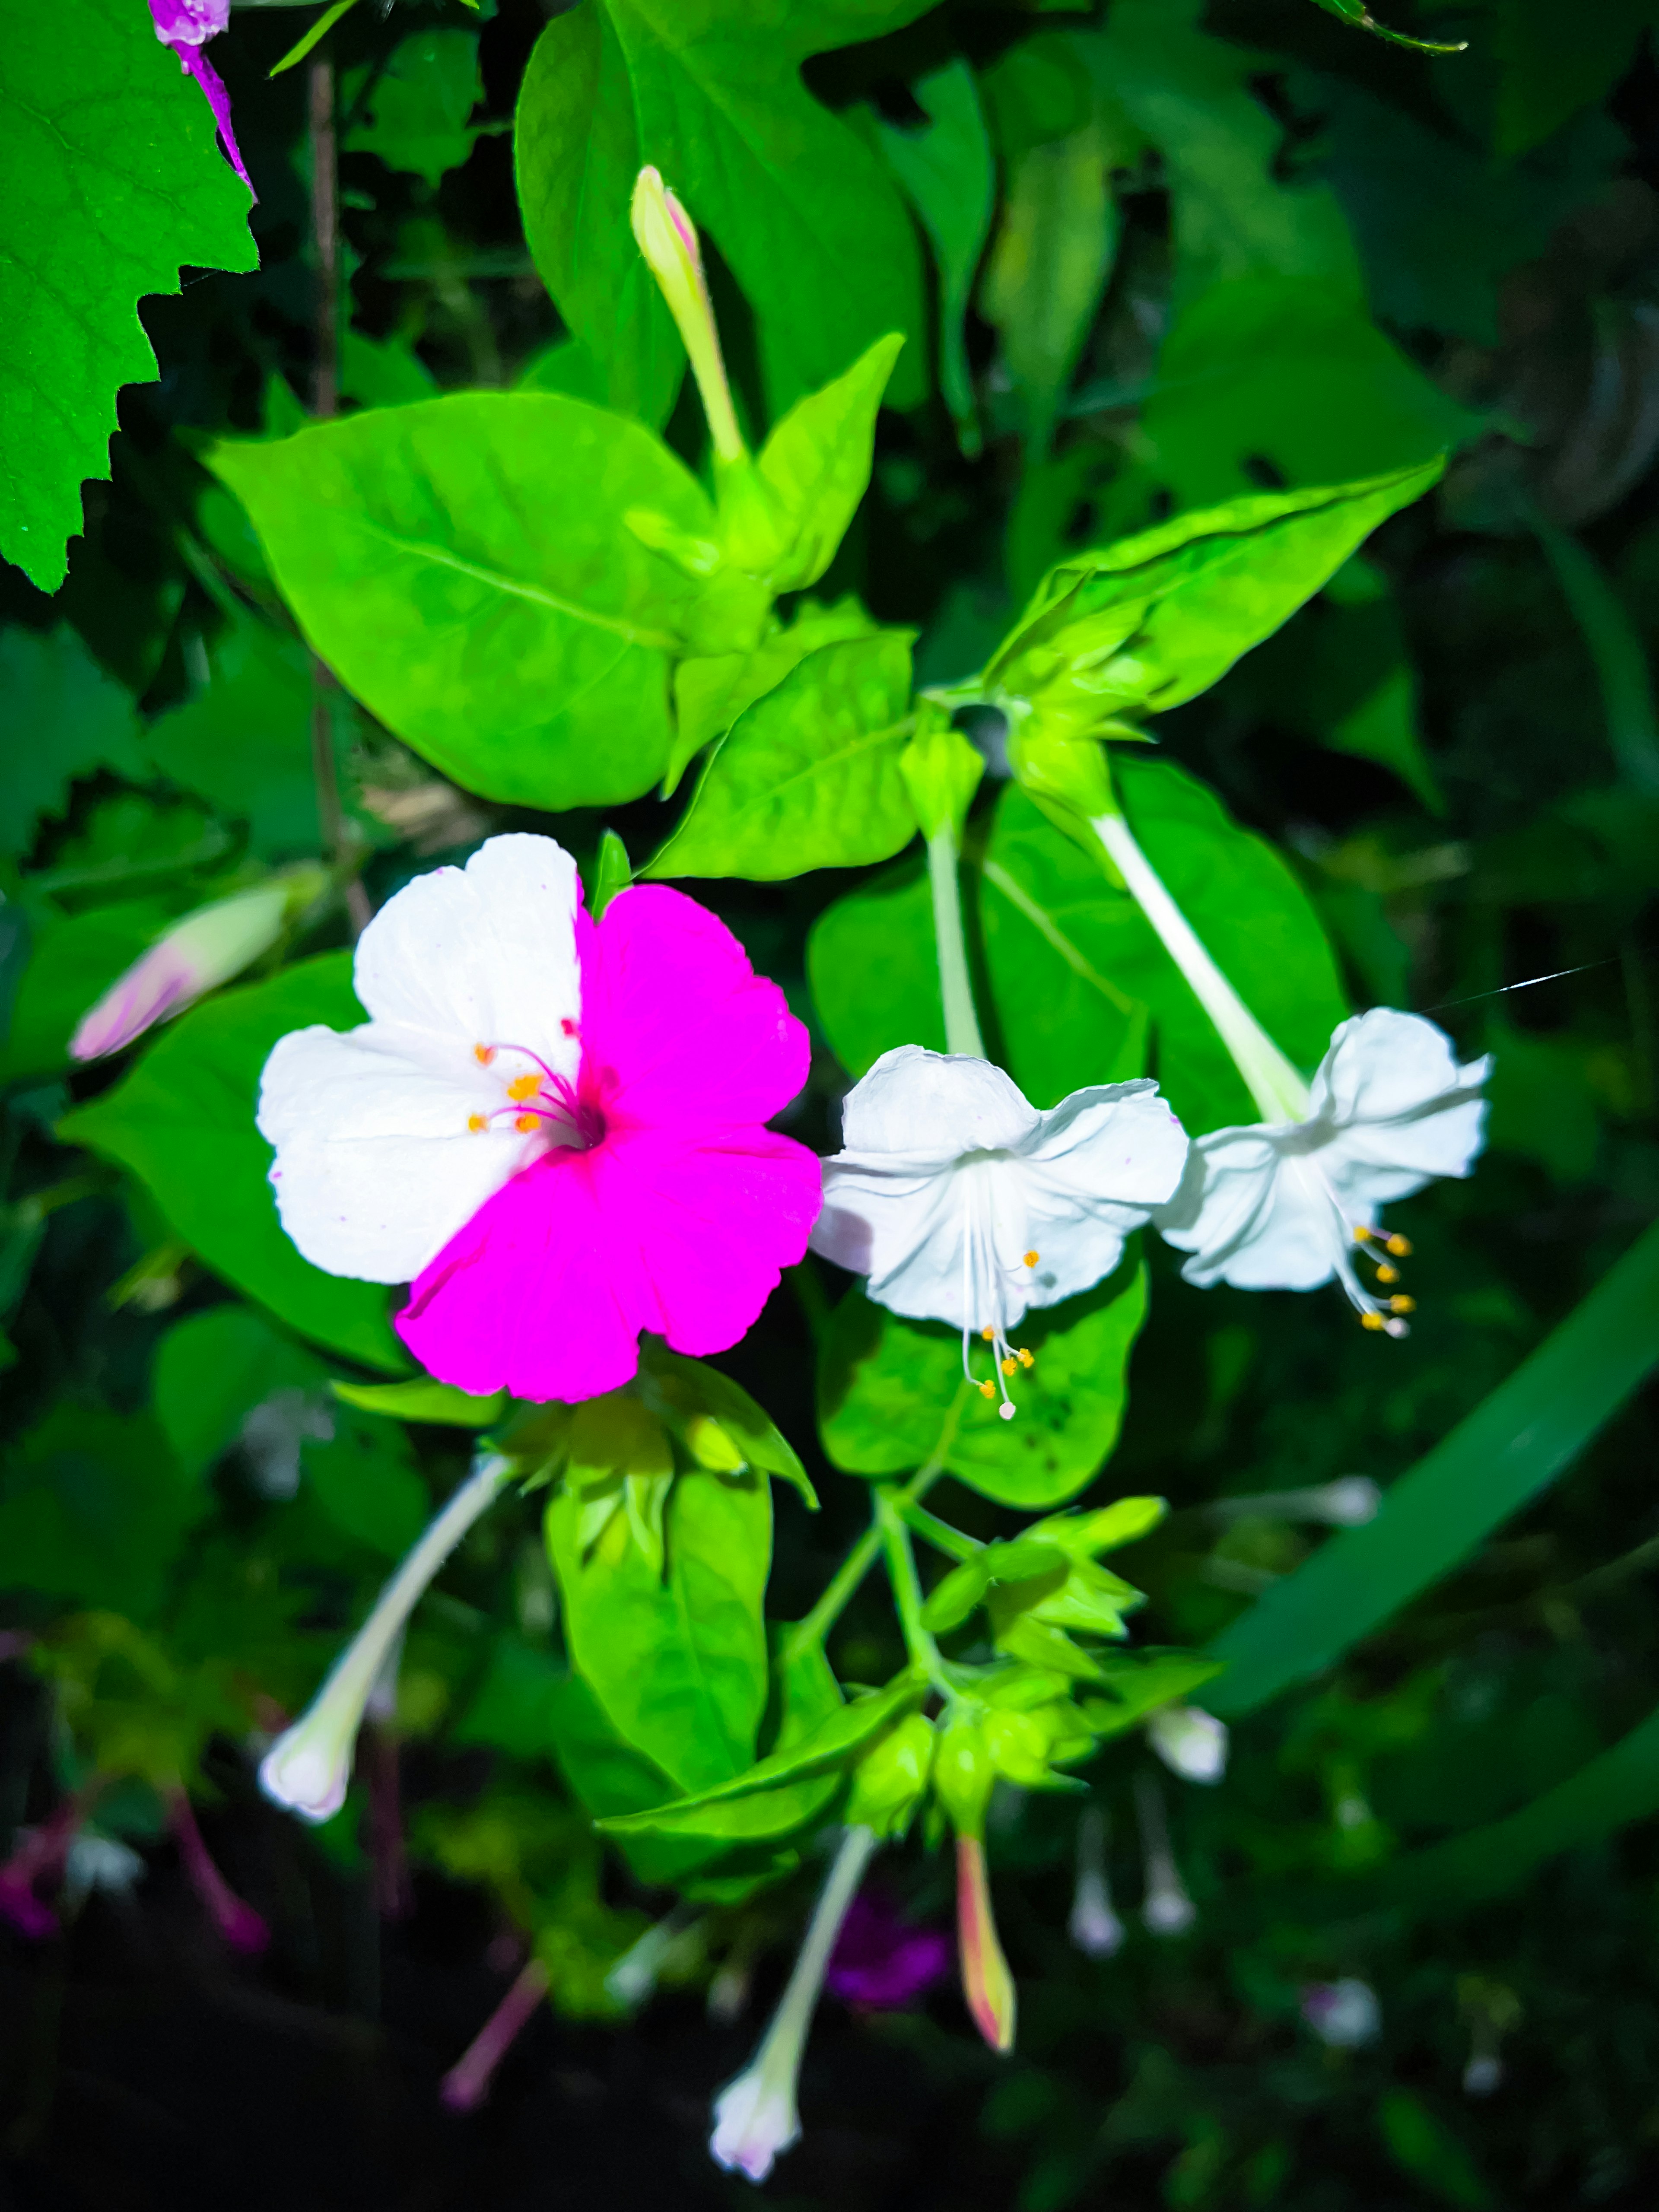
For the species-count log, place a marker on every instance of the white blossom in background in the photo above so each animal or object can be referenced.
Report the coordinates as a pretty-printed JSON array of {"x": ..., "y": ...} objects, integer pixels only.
[
  {"x": 1165, "y": 1907},
  {"x": 963, "y": 1203},
  {"x": 1093, "y": 1926},
  {"x": 1191, "y": 1742},
  {"x": 1288, "y": 1204},
  {"x": 1344, "y": 2014}
]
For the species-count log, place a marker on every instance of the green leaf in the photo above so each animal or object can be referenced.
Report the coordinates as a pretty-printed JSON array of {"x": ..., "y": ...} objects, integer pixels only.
[
  {"x": 112, "y": 147},
  {"x": 712, "y": 689},
  {"x": 382, "y": 372},
  {"x": 800, "y": 208},
  {"x": 808, "y": 776},
  {"x": 721, "y": 1424},
  {"x": 1420, "y": 2144},
  {"x": 892, "y": 1396},
  {"x": 1360, "y": 15},
  {"x": 1550, "y": 67},
  {"x": 760, "y": 1805},
  {"x": 873, "y": 968},
  {"x": 60, "y": 717},
  {"x": 416, "y": 118},
  {"x": 93, "y": 1508},
  {"x": 1283, "y": 370},
  {"x": 951, "y": 1602},
  {"x": 531, "y": 663},
  {"x": 1136, "y": 1683},
  {"x": 364, "y": 1478},
  {"x": 949, "y": 176},
  {"x": 1237, "y": 893},
  {"x": 1497, "y": 1458},
  {"x": 244, "y": 741},
  {"x": 182, "y": 1121},
  {"x": 424, "y": 1399},
  {"x": 212, "y": 1370},
  {"x": 72, "y": 961},
  {"x": 816, "y": 464},
  {"x": 677, "y": 1660},
  {"x": 1140, "y": 626}
]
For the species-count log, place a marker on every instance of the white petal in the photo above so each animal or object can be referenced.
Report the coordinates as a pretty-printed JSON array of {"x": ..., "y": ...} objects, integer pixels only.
[
  {"x": 376, "y": 1168},
  {"x": 901, "y": 1226},
  {"x": 483, "y": 955},
  {"x": 1093, "y": 1172},
  {"x": 1385, "y": 1066},
  {"x": 1379, "y": 1161},
  {"x": 923, "y": 1105},
  {"x": 1252, "y": 1216}
]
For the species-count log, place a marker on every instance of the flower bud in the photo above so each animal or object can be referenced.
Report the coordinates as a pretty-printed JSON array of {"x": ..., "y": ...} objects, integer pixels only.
[
  {"x": 198, "y": 954},
  {"x": 889, "y": 1780},
  {"x": 1017, "y": 1745},
  {"x": 987, "y": 1984},
  {"x": 963, "y": 1776},
  {"x": 941, "y": 771},
  {"x": 1191, "y": 1743},
  {"x": 1066, "y": 776},
  {"x": 667, "y": 238}
]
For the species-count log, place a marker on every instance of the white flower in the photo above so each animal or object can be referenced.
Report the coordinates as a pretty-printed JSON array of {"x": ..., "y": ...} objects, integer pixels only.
[
  {"x": 1344, "y": 2015},
  {"x": 1287, "y": 1205},
  {"x": 1165, "y": 1907},
  {"x": 1093, "y": 1924},
  {"x": 391, "y": 1137},
  {"x": 963, "y": 1203},
  {"x": 755, "y": 2118},
  {"x": 1191, "y": 1742}
]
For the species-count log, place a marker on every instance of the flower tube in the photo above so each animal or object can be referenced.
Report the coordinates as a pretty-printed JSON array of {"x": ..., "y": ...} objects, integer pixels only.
[
  {"x": 756, "y": 2115},
  {"x": 308, "y": 1768}
]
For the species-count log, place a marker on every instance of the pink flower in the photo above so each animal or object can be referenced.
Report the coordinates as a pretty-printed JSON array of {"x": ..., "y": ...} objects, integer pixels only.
[
  {"x": 186, "y": 26},
  {"x": 881, "y": 1963},
  {"x": 554, "y": 1128}
]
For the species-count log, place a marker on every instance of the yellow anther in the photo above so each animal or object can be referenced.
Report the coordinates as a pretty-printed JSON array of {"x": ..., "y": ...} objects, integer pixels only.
[
  {"x": 1401, "y": 1246},
  {"x": 989, "y": 1334},
  {"x": 988, "y": 1389},
  {"x": 524, "y": 1123},
  {"x": 1361, "y": 1234},
  {"x": 1388, "y": 1275},
  {"x": 1026, "y": 1358},
  {"x": 1031, "y": 1258},
  {"x": 1370, "y": 1320},
  {"x": 1402, "y": 1305},
  {"x": 1011, "y": 1367},
  {"x": 477, "y": 1121},
  {"x": 524, "y": 1086},
  {"x": 484, "y": 1054}
]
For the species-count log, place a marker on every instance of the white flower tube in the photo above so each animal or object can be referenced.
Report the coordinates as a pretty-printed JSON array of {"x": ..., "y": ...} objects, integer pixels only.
[
  {"x": 756, "y": 2115},
  {"x": 307, "y": 1768},
  {"x": 1191, "y": 1742}
]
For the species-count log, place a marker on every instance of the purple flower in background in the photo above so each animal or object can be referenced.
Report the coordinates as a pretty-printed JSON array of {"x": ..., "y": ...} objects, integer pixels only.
[
  {"x": 880, "y": 1963},
  {"x": 186, "y": 25}
]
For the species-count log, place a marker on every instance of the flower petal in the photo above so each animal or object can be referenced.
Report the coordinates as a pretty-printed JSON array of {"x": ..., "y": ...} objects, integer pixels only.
[
  {"x": 678, "y": 1031},
  {"x": 1102, "y": 1159},
  {"x": 376, "y": 1166},
  {"x": 1253, "y": 1216},
  {"x": 483, "y": 955},
  {"x": 916, "y": 1105},
  {"x": 1388, "y": 1067},
  {"x": 901, "y": 1226}
]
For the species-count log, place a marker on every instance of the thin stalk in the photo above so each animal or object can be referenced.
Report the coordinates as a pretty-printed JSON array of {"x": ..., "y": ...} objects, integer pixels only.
[
  {"x": 324, "y": 404},
  {"x": 1278, "y": 1091},
  {"x": 839, "y": 1591},
  {"x": 940, "y": 1533},
  {"x": 961, "y": 1032},
  {"x": 923, "y": 1652},
  {"x": 466, "y": 2085}
]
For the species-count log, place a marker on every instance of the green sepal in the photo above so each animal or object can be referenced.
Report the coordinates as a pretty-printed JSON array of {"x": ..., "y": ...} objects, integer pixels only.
[{"x": 720, "y": 1424}]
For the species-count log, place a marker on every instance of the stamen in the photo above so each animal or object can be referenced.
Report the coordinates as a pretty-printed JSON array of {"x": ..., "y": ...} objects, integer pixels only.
[
  {"x": 1402, "y": 1304},
  {"x": 477, "y": 1121},
  {"x": 1371, "y": 1319},
  {"x": 988, "y": 1389},
  {"x": 988, "y": 1333},
  {"x": 1025, "y": 1358},
  {"x": 1009, "y": 1366},
  {"x": 1385, "y": 1273},
  {"x": 484, "y": 1054},
  {"x": 1401, "y": 1246},
  {"x": 1031, "y": 1258},
  {"x": 567, "y": 1027},
  {"x": 524, "y": 1086},
  {"x": 525, "y": 1122}
]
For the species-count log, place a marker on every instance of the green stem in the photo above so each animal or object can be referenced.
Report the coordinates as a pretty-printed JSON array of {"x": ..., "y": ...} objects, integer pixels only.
[
  {"x": 956, "y": 988},
  {"x": 924, "y": 1653},
  {"x": 838, "y": 1593},
  {"x": 940, "y": 1533},
  {"x": 1278, "y": 1091}
]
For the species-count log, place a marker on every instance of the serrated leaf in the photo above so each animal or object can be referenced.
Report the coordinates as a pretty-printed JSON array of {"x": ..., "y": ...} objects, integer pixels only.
[
  {"x": 111, "y": 150},
  {"x": 808, "y": 776},
  {"x": 60, "y": 717},
  {"x": 414, "y": 544}
]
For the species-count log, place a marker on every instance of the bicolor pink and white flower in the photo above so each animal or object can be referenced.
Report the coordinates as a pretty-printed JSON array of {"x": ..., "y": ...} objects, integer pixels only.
[
  {"x": 186, "y": 26},
  {"x": 553, "y": 1128},
  {"x": 963, "y": 1203},
  {"x": 1287, "y": 1205}
]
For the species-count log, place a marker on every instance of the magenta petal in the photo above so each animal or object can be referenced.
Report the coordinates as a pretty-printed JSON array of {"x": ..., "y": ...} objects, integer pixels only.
[
  {"x": 219, "y": 101},
  {"x": 677, "y": 1027}
]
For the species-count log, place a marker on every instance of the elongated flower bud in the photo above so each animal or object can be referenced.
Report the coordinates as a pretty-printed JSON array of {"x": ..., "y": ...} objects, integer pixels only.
[
  {"x": 987, "y": 1984},
  {"x": 667, "y": 238},
  {"x": 1093, "y": 1926},
  {"x": 309, "y": 1765},
  {"x": 198, "y": 954},
  {"x": 1191, "y": 1742},
  {"x": 756, "y": 2115},
  {"x": 1165, "y": 1906}
]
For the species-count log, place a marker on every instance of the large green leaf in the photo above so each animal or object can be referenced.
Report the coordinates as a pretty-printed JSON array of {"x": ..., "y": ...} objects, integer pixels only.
[
  {"x": 677, "y": 1658},
  {"x": 817, "y": 462},
  {"x": 463, "y": 566},
  {"x": 872, "y": 964},
  {"x": 892, "y": 1396},
  {"x": 1053, "y": 923},
  {"x": 1136, "y": 628},
  {"x": 712, "y": 689},
  {"x": 809, "y": 776},
  {"x": 416, "y": 117},
  {"x": 60, "y": 717},
  {"x": 94, "y": 1507},
  {"x": 182, "y": 1121},
  {"x": 244, "y": 741},
  {"x": 1513, "y": 1445},
  {"x": 710, "y": 92},
  {"x": 112, "y": 183}
]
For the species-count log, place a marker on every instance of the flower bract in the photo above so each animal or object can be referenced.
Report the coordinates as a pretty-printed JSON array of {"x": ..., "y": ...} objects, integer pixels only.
[
  {"x": 1287, "y": 1206},
  {"x": 553, "y": 1128},
  {"x": 186, "y": 25},
  {"x": 963, "y": 1203}
]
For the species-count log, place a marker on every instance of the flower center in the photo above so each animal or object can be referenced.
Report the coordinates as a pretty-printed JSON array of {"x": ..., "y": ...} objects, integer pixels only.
[
  {"x": 985, "y": 1281},
  {"x": 1379, "y": 1305},
  {"x": 539, "y": 1101}
]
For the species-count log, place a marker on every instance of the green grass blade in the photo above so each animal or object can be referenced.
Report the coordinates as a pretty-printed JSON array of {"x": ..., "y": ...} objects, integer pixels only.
[{"x": 1511, "y": 1447}]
